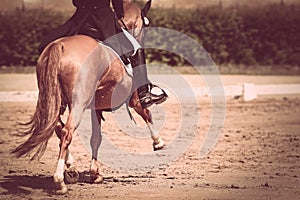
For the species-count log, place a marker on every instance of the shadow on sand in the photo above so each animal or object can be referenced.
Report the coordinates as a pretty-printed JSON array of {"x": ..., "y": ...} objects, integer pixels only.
[{"x": 26, "y": 184}]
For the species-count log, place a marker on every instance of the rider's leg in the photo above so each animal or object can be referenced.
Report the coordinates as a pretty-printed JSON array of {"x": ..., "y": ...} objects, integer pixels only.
[
  {"x": 125, "y": 46},
  {"x": 141, "y": 81}
]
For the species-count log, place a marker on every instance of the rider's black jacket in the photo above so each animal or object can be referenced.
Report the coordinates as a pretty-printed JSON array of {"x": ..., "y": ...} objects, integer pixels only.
[{"x": 94, "y": 18}]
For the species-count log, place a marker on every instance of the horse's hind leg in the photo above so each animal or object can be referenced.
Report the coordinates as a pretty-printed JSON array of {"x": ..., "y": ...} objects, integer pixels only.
[
  {"x": 95, "y": 142},
  {"x": 69, "y": 158},
  {"x": 65, "y": 140},
  {"x": 71, "y": 174}
]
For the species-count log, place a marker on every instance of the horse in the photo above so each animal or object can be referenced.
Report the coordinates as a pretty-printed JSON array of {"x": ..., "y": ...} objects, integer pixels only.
[{"x": 76, "y": 77}]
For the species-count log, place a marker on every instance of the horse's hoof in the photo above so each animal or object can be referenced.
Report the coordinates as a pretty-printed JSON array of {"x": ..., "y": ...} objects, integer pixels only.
[
  {"x": 71, "y": 175},
  {"x": 156, "y": 148},
  {"x": 158, "y": 144},
  {"x": 61, "y": 191},
  {"x": 61, "y": 187},
  {"x": 95, "y": 177}
]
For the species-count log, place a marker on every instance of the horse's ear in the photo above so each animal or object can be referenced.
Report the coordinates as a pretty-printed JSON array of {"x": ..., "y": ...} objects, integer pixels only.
[{"x": 146, "y": 7}]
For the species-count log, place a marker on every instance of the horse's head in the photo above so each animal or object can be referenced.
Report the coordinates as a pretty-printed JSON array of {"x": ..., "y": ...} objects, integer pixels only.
[{"x": 135, "y": 18}]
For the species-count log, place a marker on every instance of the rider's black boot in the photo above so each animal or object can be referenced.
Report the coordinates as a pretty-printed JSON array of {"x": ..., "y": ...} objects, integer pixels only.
[{"x": 145, "y": 88}]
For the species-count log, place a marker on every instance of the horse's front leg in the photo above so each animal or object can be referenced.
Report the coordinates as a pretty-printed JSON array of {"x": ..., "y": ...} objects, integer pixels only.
[
  {"x": 158, "y": 143},
  {"x": 95, "y": 142}
]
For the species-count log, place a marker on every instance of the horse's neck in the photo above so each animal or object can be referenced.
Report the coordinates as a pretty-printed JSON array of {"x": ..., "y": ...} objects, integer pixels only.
[{"x": 132, "y": 14}]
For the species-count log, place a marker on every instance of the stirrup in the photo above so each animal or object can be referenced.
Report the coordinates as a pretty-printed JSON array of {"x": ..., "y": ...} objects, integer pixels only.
[{"x": 147, "y": 98}]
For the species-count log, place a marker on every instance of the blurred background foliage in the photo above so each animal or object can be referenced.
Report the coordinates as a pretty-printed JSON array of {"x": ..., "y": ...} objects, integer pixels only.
[
  {"x": 238, "y": 35},
  {"x": 266, "y": 35},
  {"x": 21, "y": 33}
]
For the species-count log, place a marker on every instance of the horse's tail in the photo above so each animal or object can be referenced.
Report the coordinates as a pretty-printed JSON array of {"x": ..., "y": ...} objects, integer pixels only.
[{"x": 43, "y": 123}]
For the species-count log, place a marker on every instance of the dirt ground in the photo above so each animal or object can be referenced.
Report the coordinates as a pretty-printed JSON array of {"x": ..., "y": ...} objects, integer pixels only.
[{"x": 257, "y": 157}]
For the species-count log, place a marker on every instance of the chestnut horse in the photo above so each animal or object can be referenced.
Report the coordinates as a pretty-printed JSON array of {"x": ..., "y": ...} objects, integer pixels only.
[{"x": 77, "y": 73}]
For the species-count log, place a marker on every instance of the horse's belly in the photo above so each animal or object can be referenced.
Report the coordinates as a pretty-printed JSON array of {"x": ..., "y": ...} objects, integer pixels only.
[{"x": 111, "y": 96}]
